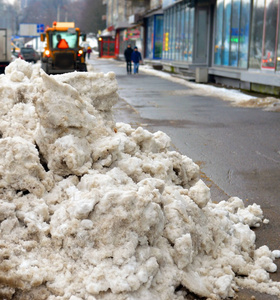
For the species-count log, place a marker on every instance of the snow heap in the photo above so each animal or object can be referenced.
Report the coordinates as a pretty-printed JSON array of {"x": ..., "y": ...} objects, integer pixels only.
[{"x": 91, "y": 209}]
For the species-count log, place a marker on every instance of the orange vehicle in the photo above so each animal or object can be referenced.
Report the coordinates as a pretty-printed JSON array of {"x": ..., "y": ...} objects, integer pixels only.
[{"x": 63, "y": 52}]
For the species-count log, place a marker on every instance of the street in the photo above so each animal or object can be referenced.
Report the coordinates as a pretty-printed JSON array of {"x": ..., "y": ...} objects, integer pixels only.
[{"x": 237, "y": 149}]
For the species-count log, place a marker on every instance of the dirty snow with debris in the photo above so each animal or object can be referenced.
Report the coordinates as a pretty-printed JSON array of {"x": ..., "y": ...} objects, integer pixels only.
[
  {"x": 234, "y": 96},
  {"x": 93, "y": 209}
]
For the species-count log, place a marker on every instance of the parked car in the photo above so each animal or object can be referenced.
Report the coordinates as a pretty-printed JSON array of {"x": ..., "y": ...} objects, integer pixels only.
[{"x": 29, "y": 54}]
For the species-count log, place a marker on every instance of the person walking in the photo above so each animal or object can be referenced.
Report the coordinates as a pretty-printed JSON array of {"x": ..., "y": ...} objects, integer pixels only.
[
  {"x": 136, "y": 58},
  {"x": 127, "y": 54},
  {"x": 89, "y": 51}
]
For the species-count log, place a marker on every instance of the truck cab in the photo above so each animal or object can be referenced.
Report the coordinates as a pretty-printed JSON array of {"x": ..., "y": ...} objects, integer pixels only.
[{"x": 62, "y": 52}]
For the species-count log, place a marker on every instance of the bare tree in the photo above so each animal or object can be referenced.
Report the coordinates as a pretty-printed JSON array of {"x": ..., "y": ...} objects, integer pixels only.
[
  {"x": 87, "y": 14},
  {"x": 7, "y": 16},
  {"x": 44, "y": 11},
  {"x": 91, "y": 19}
]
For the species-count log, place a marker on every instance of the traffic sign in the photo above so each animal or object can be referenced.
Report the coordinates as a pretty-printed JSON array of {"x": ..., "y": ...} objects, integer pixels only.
[
  {"x": 30, "y": 29},
  {"x": 40, "y": 28}
]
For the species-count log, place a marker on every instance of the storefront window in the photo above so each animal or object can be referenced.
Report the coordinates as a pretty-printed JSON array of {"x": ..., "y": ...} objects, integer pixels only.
[
  {"x": 226, "y": 33},
  {"x": 219, "y": 32},
  {"x": 268, "y": 58},
  {"x": 190, "y": 34},
  {"x": 150, "y": 37},
  {"x": 170, "y": 33},
  {"x": 178, "y": 33},
  {"x": 235, "y": 34},
  {"x": 158, "y": 36},
  {"x": 185, "y": 38},
  {"x": 173, "y": 34},
  {"x": 178, "y": 40},
  {"x": 264, "y": 48},
  {"x": 244, "y": 34},
  {"x": 232, "y": 33},
  {"x": 182, "y": 30},
  {"x": 278, "y": 50},
  {"x": 256, "y": 35},
  {"x": 155, "y": 40},
  {"x": 167, "y": 36}
]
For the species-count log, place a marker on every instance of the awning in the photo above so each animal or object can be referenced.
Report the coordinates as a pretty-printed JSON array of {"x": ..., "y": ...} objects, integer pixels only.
[
  {"x": 106, "y": 33},
  {"x": 155, "y": 12},
  {"x": 123, "y": 25}
]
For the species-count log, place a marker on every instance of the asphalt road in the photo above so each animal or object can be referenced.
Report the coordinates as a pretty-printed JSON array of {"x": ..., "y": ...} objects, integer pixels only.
[{"x": 238, "y": 149}]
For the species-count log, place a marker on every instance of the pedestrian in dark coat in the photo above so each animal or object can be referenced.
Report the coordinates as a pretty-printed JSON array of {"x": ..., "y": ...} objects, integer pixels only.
[
  {"x": 127, "y": 54},
  {"x": 137, "y": 59},
  {"x": 89, "y": 51}
]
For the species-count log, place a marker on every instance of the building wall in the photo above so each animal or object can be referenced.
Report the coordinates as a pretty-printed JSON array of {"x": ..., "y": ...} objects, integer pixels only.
[
  {"x": 121, "y": 10},
  {"x": 109, "y": 13},
  {"x": 137, "y": 6},
  {"x": 116, "y": 12},
  {"x": 119, "y": 15},
  {"x": 154, "y": 37},
  {"x": 242, "y": 45},
  {"x": 155, "y": 4}
]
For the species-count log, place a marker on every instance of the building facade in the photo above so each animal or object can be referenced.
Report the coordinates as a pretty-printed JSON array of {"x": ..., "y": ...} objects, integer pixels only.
[
  {"x": 236, "y": 42},
  {"x": 246, "y": 44},
  {"x": 124, "y": 24}
]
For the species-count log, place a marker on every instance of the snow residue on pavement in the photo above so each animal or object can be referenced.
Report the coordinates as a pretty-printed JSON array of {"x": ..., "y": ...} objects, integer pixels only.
[
  {"x": 93, "y": 209},
  {"x": 236, "y": 97}
]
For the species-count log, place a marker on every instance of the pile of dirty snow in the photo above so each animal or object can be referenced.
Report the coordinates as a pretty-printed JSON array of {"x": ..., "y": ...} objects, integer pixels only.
[{"x": 91, "y": 209}]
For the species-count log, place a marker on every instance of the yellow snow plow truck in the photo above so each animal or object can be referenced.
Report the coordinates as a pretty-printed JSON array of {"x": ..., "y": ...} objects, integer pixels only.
[{"x": 62, "y": 52}]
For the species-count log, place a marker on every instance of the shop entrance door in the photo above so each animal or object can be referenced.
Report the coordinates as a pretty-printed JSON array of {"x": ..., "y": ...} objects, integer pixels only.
[
  {"x": 108, "y": 47},
  {"x": 201, "y": 42}
]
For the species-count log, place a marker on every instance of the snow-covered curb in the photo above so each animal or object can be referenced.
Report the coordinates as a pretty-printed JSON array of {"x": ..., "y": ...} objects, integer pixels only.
[{"x": 236, "y": 97}]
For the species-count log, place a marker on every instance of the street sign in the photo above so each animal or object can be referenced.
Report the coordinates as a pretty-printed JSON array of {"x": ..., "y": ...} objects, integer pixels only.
[
  {"x": 40, "y": 28},
  {"x": 30, "y": 30}
]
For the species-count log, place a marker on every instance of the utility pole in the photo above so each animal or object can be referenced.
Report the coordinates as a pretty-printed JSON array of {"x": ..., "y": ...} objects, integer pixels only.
[{"x": 58, "y": 13}]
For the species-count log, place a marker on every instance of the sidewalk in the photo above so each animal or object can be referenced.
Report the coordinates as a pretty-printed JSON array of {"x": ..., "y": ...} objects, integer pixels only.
[{"x": 235, "y": 96}]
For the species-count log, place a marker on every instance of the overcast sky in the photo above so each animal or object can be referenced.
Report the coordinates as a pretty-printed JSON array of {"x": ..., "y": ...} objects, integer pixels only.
[{"x": 9, "y": 1}]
